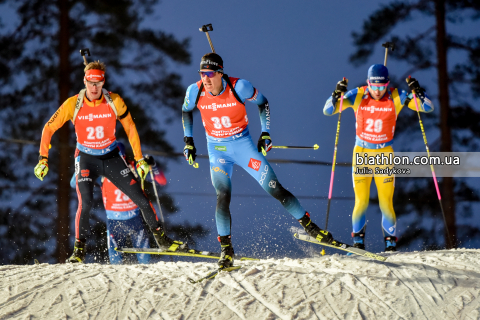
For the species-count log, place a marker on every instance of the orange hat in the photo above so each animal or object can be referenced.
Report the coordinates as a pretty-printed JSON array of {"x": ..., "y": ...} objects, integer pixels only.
[{"x": 95, "y": 74}]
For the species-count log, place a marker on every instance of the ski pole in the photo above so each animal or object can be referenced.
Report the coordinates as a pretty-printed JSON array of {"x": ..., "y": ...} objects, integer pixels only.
[
  {"x": 84, "y": 52},
  {"x": 333, "y": 163},
  {"x": 387, "y": 45},
  {"x": 431, "y": 165},
  {"x": 315, "y": 147},
  {"x": 206, "y": 28},
  {"x": 334, "y": 157},
  {"x": 158, "y": 200}
]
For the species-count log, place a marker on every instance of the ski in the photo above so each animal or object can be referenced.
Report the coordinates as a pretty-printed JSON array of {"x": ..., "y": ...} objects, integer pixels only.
[
  {"x": 341, "y": 246},
  {"x": 189, "y": 253},
  {"x": 213, "y": 274}
]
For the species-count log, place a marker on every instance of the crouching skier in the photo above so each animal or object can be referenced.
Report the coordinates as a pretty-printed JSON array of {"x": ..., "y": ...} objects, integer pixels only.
[
  {"x": 94, "y": 113},
  {"x": 221, "y": 101}
]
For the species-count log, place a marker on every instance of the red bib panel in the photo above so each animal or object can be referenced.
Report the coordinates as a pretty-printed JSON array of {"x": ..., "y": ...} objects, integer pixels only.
[
  {"x": 376, "y": 120},
  {"x": 223, "y": 116},
  {"x": 114, "y": 199},
  {"x": 95, "y": 126}
]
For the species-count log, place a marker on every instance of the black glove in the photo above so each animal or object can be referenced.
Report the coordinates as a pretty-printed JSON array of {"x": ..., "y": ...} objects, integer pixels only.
[
  {"x": 414, "y": 85},
  {"x": 264, "y": 142},
  {"x": 189, "y": 151},
  {"x": 150, "y": 161},
  {"x": 341, "y": 87}
]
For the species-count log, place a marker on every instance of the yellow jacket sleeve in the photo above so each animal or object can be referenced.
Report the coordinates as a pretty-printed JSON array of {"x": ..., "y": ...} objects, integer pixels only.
[
  {"x": 128, "y": 125},
  {"x": 62, "y": 115}
]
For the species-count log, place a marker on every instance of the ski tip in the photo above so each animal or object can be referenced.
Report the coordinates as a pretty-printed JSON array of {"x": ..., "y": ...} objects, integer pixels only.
[{"x": 36, "y": 261}]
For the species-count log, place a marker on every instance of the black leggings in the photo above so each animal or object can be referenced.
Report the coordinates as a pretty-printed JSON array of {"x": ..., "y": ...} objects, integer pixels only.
[{"x": 113, "y": 167}]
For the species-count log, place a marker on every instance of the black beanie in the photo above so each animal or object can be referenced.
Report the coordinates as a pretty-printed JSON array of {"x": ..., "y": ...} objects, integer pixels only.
[{"x": 212, "y": 61}]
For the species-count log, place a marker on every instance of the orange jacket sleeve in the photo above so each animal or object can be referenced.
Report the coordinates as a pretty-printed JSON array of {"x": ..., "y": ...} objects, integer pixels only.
[
  {"x": 62, "y": 115},
  {"x": 128, "y": 125}
]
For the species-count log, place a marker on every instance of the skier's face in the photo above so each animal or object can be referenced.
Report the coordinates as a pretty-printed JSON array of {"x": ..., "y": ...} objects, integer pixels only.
[
  {"x": 376, "y": 91},
  {"x": 94, "y": 89},
  {"x": 212, "y": 84}
]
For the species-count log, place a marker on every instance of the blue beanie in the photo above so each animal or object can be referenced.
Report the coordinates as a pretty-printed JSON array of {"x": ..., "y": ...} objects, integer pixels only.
[{"x": 378, "y": 73}]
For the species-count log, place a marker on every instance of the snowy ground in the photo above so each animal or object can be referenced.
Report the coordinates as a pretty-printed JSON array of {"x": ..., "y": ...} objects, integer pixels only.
[{"x": 417, "y": 285}]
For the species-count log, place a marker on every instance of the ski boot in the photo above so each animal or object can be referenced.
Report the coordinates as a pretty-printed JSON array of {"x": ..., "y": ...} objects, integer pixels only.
[
  {"x": 78, "y": 255},
  {"x": 165, "y": 242},
  {"x": 227, "y": 257},
  {"x": 314, "y": 231},
  {"x": 358, "y": 241},
  {"x": 390, "y": 244}
]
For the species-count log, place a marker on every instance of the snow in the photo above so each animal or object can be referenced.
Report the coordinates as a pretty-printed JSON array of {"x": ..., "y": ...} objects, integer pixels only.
[{"x": 416, "y": 285}]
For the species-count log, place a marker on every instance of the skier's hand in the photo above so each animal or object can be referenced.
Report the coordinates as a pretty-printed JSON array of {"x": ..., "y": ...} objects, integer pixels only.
[
  {"x": 413, "y": 84},
  {"x": 340, "y": 88},
  {"x": 41, "y": 169},
  {"x": 142, "y": 168},
  {"x": 264, "y": 143},
  {"x": 190, "y": 151},
  {"x": 149, "y": 159}
]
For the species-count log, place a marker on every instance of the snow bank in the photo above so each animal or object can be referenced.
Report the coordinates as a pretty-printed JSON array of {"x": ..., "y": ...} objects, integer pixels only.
[{"x": 417, "y": 285}]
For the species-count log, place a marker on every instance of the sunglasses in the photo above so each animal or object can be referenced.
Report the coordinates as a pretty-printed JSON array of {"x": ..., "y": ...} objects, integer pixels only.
[
  {"x": 209, "y": 74},
  {"x": 377, "y": 87},
  {"x": 95, "y": 84}
]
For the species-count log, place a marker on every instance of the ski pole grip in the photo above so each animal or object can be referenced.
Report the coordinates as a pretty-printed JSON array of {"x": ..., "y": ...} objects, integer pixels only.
[
  {"x": 83, "y": 52},
  {"x": 206, "y": 28}
]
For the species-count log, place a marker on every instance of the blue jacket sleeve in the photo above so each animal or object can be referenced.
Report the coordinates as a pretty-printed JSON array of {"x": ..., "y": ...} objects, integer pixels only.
[
  {"x": 425, "y": 104},
  {"x": 73, "y": 182},
  {"x": 246, "y": 91},
  {"x": 187, "y": 108}
]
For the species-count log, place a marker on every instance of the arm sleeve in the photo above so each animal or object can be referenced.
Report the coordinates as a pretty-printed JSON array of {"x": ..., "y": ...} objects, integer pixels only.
[
  {"x": 424, "y": 103},
  {"x": 128, "y": 126},
  {"x": 351, "y": 99},
  {"x": 187, "y": 109},
  {"x": 246, "y": 91},
  {"x": 62, "y": 115}
]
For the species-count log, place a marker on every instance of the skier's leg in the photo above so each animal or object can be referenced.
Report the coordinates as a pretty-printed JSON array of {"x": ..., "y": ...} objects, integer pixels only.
[
  {"x": 221, "y": 179},
  {"x": 248, "y": 157},
  {"x": 139, "y": 236},
  {"x": 221, "y": 169},
  {"x": 252, "y": 161},
  {"x": 114, "y": 241},
  {"x": 126, "y": 182},
  {"x": 86, "y": 172},
  {"x": 361, "y": 188}
]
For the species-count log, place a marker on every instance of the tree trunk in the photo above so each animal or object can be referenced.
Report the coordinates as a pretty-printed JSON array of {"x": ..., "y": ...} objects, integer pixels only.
[
  {"x": 65, "y": 152},
  {"x": 445, "y": 132}
]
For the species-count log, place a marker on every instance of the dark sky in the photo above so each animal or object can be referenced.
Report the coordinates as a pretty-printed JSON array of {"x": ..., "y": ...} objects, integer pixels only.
[{"x": 294, "y": 53}]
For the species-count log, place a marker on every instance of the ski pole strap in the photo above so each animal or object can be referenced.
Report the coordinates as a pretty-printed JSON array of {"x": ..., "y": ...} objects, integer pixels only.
[{"x": 227, "y": 79}]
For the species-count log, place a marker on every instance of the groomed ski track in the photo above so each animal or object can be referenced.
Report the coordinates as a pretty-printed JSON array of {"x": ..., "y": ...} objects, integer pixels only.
[{"x": 416, "y": 285}]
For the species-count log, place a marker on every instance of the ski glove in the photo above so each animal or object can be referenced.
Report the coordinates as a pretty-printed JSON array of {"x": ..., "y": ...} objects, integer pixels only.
[
  {"x": 340, "y": 88},
  {"x": 142, "y": 168},
  {"x": 189, "y": 151},
  {"x": 150, "y": 161},
  {"x": 264, "y": 143},
  {"x": 415, "y": 86},
  {"x": 41, "y": 169}
]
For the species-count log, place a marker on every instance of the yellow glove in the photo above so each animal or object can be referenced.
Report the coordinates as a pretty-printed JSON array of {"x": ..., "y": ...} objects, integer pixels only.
[
  {"x": 142, "y": 168},
  {"x": 41, "y": 169}
]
